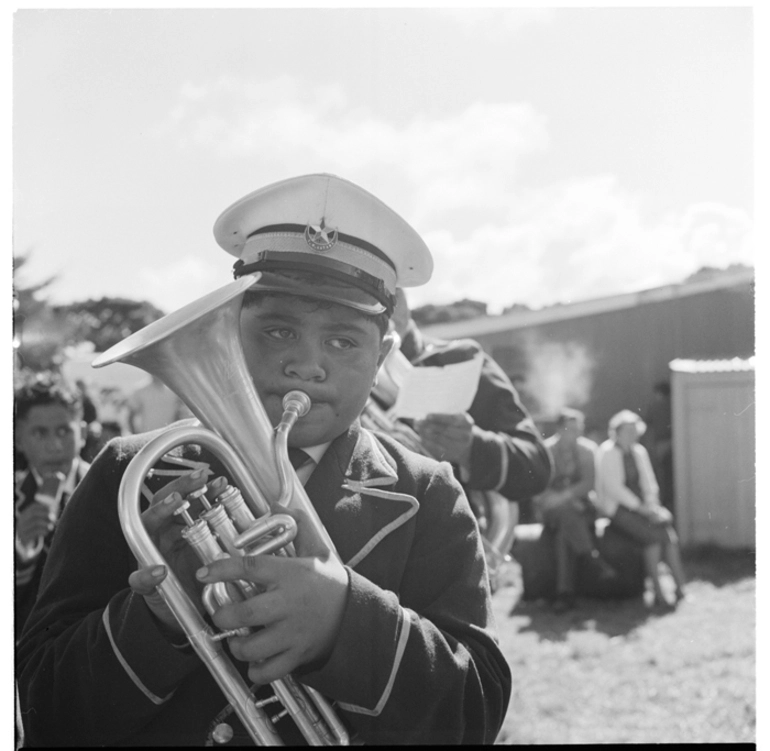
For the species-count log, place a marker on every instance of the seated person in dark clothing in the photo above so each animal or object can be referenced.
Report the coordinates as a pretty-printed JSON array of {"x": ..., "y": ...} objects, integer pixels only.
[{"x": 566, "y": 506}]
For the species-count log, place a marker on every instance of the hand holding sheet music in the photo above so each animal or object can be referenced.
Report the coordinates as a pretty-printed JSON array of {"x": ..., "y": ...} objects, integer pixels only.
[{"x": 438, "y": 390}]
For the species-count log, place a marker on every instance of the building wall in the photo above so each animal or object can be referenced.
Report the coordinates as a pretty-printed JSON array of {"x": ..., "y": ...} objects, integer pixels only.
[{"x": 611, "y": 360}]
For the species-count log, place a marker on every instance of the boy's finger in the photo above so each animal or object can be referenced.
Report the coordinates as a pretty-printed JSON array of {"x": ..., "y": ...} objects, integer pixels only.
[
  {"x": 143, "y": 581},
  {"x": 183, "y": 485},
  {"x": 259, "y": 569},
  {"x": 161, "y": 510},
  {"x": 215, "y": 487}
]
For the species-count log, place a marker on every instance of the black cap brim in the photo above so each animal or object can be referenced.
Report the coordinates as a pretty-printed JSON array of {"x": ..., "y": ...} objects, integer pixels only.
[{"x": 322, "y": 287}]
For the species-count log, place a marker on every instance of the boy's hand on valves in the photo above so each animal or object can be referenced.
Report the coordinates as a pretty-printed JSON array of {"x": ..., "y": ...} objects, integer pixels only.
[
  {"x": 300, "y": 610},
  {"x": 165, "y": 528}
]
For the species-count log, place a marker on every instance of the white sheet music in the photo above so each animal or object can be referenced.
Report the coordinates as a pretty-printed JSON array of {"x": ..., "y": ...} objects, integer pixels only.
[{"x": 434, "y": 390}]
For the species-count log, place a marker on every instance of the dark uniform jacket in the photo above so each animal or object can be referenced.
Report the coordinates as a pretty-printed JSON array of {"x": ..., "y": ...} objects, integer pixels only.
[
  {"x": 507, "y": 453},
  {"x": 28, "y": 572},
  {"x": 416, "y": 660}
]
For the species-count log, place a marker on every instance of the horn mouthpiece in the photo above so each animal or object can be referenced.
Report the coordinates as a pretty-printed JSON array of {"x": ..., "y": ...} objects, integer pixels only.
[{"x": 298, "y": 402}]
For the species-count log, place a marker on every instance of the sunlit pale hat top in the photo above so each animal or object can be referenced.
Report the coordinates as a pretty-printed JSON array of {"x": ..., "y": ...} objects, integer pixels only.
[
  {"x": 626, "y": 417},
  {"x": 325, "y": 224}
]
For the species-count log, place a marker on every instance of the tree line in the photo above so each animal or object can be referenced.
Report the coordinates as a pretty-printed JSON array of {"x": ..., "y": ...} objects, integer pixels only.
[{"x": 43, "y": 330}]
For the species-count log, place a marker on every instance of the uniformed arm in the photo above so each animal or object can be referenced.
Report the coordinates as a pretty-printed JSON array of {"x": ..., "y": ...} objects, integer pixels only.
[
  {"x": 93, "y": 667},
  {"x": 587, "y": 482},
  {"x": 423, "y": 665},
  {"x": 507, "y": 454}
]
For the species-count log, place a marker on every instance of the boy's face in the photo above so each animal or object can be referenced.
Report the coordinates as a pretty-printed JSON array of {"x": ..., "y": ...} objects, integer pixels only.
[
  {"x": 50, "y": 436},
  {"x": 332, "y": 353}
]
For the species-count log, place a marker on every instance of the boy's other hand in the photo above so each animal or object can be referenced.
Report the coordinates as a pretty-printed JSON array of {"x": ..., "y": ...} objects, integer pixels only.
[
  {"x": 448, "y": 437},
  {"x": 33, "y": 523},
  {"x": 300, "y": 610},
  {"x": 51, "y": 483},
  {"x": 165, "y": 529}
]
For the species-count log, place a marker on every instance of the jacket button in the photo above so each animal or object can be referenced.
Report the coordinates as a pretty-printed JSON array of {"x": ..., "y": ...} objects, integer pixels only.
[{"x": 223, "y": 733}]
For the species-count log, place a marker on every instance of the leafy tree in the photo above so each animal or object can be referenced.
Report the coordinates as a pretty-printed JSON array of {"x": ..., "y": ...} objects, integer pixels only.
[
  {"x": 463, "y": 310},
  {"x": 705, "y": 273},
  {"x": 108, "y": 320},
  {"x": 42, "y": 330},
  {"x": 516, "y": 307},
  {"x": 36, "y": 332}
]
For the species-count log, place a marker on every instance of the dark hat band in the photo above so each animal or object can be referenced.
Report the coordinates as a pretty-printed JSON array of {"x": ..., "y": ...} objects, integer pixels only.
[
  {"x": 272, "y": 260},
  {"x": 349, "y": 239}
]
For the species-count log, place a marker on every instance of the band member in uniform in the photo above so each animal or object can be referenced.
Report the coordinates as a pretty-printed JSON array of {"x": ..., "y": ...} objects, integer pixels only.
[
  {"x": 495, "y": 445},
  {"x": 399, "y": 634},
  {"x": 49, "y": 434}
]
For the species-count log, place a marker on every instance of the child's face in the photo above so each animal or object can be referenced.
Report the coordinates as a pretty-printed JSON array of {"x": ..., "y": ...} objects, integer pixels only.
[
  {"x": 50, "y": 437},
  {"x": 332, "y": 353}
]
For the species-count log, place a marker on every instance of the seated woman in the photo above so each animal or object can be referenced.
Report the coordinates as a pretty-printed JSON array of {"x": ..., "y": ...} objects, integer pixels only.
[{"x": 627, "y": 492}]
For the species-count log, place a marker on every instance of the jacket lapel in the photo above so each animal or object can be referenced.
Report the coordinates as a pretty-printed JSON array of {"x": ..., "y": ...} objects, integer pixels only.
[
  {"x": 25, "y": 490},
  {"x": 355, "y": 517}
]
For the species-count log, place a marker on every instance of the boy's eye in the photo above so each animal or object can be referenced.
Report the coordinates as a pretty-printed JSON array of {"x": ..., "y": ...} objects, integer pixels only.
[
  {"x": 339, "y": 342},
  {"x": 280, "y": 334},
  {"x": 64, "y": 431}
]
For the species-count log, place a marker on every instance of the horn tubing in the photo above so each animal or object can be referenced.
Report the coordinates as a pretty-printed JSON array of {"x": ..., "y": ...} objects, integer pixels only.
[{"x": 199, "y": 633}]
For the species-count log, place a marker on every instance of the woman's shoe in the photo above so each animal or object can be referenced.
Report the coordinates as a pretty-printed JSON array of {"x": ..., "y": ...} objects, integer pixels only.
[
  {"x": 564, "y": 603},
  {"x": 661, "y": 605}
]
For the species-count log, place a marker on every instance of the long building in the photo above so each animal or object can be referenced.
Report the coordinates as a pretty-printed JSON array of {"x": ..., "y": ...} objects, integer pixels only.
[{"x": 606, "y": 354}]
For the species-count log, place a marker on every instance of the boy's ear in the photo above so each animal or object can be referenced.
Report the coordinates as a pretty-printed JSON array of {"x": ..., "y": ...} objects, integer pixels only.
[{"x": 389, "y": 341}]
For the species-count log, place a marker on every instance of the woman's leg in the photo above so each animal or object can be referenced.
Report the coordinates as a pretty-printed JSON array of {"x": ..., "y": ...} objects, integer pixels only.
[
  {"x": 674, "y": 561},
  {"x": 651, "y": 560}
]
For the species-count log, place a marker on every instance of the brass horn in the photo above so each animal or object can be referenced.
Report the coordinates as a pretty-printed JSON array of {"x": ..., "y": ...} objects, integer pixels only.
[{"x": 196, "y": 351}]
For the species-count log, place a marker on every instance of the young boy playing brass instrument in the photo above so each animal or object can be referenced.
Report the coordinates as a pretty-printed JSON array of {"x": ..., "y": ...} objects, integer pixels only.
[{"x": 397, "y": 632}]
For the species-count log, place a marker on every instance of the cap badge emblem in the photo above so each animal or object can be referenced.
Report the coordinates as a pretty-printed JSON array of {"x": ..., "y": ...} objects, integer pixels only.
[{"x": 320, "y": 237}]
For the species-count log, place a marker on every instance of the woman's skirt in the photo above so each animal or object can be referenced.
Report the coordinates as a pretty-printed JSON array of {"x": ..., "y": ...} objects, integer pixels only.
[{"x": 642, "y": 529}]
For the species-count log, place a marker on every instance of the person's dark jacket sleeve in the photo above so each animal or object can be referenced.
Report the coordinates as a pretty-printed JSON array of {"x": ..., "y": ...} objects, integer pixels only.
[{"x": 507, "y": 454}]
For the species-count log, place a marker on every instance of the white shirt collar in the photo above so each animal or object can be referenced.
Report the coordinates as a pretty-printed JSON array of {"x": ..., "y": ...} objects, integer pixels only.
[{"x": 315, "y": 453}]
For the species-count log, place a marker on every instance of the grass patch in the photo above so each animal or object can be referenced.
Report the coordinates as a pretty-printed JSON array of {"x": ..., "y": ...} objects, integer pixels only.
[{"x": 617, "y": 672}]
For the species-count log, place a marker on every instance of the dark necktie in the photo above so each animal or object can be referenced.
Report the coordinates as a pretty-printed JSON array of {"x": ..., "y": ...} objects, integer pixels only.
[{"x": 298, "y": 458}]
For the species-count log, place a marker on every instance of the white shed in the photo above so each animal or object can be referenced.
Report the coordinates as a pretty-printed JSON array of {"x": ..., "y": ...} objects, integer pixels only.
[{"x": 714, "y": 451}]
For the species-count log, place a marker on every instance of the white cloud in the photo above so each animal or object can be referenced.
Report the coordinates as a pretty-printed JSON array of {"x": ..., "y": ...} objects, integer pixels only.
[
  {"x": 497, "y": 20},
  {"x": 577, "y": 241},
  {"x": 458, "y": 180},
  {"x": 178, "y": 283}
]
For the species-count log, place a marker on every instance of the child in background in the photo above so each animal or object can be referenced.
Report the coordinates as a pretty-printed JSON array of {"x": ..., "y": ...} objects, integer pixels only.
[{"x": 49, "y": 431}]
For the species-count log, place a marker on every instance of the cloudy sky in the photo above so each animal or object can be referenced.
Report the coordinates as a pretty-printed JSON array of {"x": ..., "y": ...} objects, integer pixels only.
[{"x": 544, "y": 155}]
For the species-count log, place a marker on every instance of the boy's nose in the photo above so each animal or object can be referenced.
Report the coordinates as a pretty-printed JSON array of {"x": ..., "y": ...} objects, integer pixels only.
[
  {"x": 306, "y": 364},
  {"x": 55, "y": 443}
]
